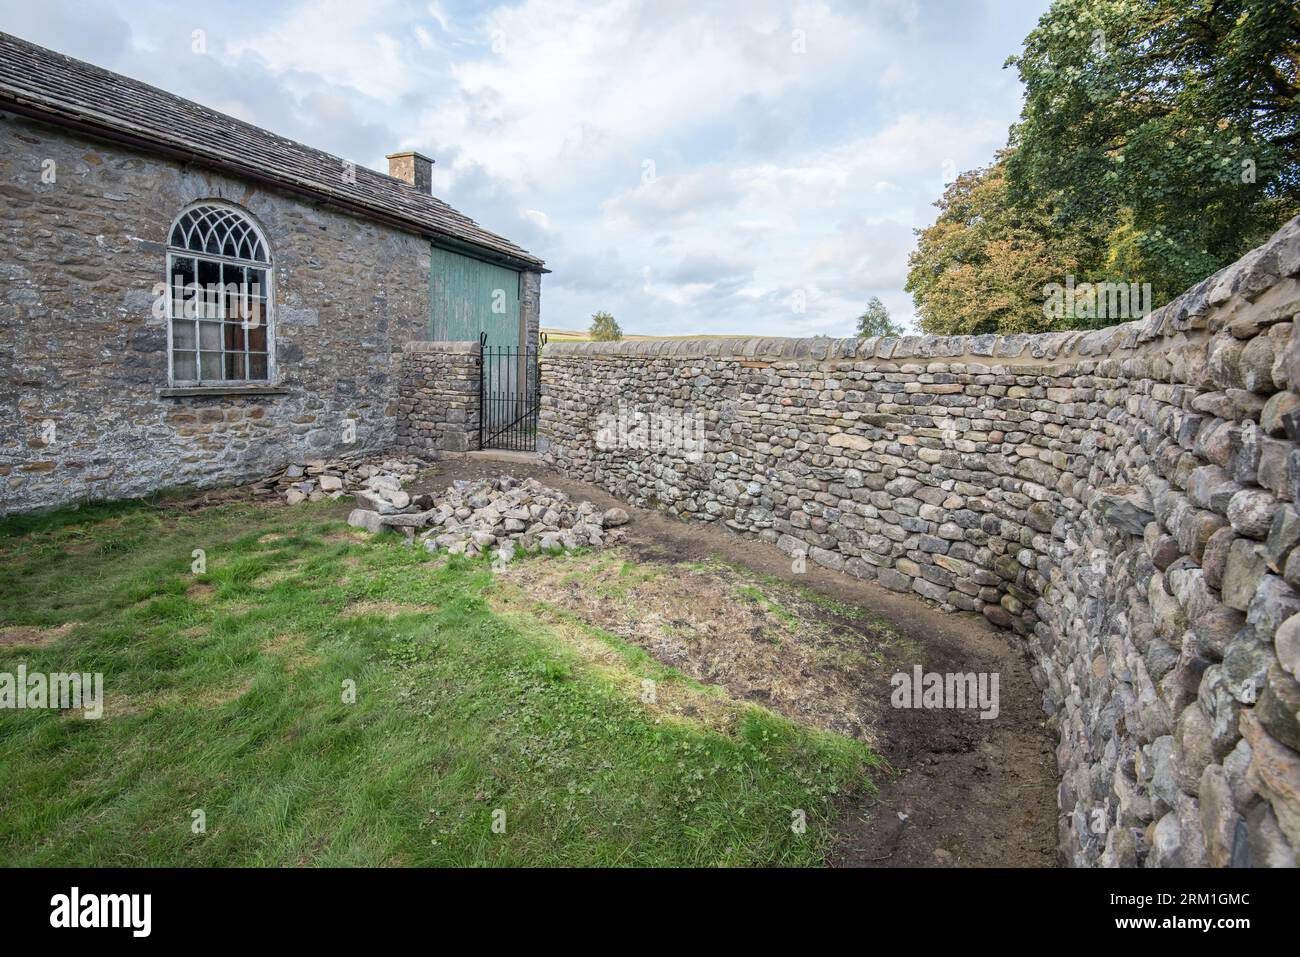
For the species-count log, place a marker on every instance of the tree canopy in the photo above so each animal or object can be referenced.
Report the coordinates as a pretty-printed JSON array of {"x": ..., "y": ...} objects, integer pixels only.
[
  {"x": 604, "y": 328},
  {"x": 984, "y": 264},
  {"x": 876, "y": 322},
  {"x": 1159, "y": 141}
]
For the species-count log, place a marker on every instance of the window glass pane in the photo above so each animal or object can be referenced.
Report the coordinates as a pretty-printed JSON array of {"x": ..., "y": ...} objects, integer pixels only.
[
  {"x": 210, "y": 365},
  {"x": 256, "y": 366},
  {"x": 236, "y": 304},
  {"x": 210, "y": 281},
  {"x": 257, "y": 338},
  {"x": 234, "y": 365},
  {"x": 233, "y": 283},
  {"x": 182, "y": 334},
  {"x": 234, "y": 337},
  {"x": 183, "y": 366},
  {"x": 209, "y": 272},
  {"x": 256, "y": 315},
  {"x": 257, "y": 283},
  {"x": 180, "y": 278},
  {"x": 210, "y": 336}
]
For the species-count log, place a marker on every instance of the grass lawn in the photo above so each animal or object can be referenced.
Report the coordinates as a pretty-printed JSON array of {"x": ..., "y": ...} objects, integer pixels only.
[{"x": 224, "y": 693}]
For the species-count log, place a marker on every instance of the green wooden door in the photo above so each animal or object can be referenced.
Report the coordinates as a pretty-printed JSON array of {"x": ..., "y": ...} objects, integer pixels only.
[{"x": 468, "y": 297}]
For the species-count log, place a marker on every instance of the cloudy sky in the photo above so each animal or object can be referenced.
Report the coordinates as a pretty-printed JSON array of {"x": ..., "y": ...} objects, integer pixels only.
[{"x": 688, "y": 166}]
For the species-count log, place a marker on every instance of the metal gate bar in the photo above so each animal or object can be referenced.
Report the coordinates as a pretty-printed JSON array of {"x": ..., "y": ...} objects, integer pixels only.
[{"x": 510, "y": 392}]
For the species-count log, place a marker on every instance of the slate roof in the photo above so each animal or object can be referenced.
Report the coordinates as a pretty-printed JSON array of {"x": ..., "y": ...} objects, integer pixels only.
[{"x": 39, "y": 82}]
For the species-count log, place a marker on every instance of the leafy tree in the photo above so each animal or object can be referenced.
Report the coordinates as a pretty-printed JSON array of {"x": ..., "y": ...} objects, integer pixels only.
[
  {"x": 876, "y": 322},
  {"x": 604, "y": 328},
  {"x": 985, "y": 263},
  {"x": 1174, "y": 122}
]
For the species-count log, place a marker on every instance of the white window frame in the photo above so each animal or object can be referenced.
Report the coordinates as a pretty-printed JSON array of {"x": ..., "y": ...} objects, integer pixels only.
[{"x": 268, "y": 318}]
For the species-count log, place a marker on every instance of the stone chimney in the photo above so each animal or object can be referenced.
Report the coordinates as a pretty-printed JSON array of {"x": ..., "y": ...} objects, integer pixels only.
[{"x": 413, "y": 168}]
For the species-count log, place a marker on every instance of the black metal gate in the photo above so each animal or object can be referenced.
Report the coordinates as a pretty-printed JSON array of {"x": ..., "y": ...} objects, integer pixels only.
[{"x": 510, "y": 395}]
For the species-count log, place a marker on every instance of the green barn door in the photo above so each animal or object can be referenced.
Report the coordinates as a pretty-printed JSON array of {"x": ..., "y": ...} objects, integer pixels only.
[{"x": 468, "y": 296}]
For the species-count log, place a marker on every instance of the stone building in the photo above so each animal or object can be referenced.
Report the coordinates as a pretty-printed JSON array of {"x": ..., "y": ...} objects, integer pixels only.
[{"x": 186, "y": 299}]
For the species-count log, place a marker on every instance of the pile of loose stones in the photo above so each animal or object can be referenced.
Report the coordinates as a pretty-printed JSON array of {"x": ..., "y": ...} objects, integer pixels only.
[
  {"x": 316, "y": 479},
  {"x": 502, "y": 517}
]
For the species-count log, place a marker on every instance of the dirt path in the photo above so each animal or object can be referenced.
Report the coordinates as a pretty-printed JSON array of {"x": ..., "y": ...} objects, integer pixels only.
[{"x": 965, "y": 792}]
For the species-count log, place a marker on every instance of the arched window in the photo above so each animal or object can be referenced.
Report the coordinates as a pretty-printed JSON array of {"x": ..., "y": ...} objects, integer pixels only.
[{"x": 219, "y": 278}]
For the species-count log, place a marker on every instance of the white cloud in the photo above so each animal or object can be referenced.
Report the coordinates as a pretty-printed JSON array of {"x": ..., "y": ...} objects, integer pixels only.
[
  {"x": 674, "y": 199},
  {"x": 775, "y": 170},
  {"x": 340, "y": 41}
]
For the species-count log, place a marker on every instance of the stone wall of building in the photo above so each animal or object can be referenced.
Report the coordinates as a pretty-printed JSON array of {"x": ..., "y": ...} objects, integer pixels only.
[
  {"x": 438, "y": 402},
  {"x": 80, "y": 347},
  {"x": 530, "y": 306},
  {"x": 1123, "y": 501}
]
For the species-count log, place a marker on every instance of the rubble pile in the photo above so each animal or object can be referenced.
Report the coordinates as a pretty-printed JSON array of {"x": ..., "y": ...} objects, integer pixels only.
[
  {"x": 503, "y": 516},
  {"x": 316, "y": 479}
]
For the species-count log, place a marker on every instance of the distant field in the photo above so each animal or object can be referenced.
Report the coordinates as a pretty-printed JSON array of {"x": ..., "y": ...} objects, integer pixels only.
[{"x": 578, "y": 335}]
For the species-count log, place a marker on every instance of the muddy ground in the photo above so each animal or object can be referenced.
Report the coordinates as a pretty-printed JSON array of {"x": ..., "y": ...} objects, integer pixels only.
[
  {"x": 765, "y": 641},
  {"x": 963, "y": 791}
]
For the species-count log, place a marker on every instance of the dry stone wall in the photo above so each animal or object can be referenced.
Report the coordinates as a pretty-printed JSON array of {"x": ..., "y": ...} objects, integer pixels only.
[
  {"x": 438, "y": 401},
  {"x": 1123, "y": 501}
]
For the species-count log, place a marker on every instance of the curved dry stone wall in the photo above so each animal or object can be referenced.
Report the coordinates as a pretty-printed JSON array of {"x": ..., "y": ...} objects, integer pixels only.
[{"x": 1123, "y": 501}]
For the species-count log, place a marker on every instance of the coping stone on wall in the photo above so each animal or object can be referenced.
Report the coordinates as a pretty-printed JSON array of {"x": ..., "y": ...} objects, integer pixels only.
[{"x": 440, "y": 346}]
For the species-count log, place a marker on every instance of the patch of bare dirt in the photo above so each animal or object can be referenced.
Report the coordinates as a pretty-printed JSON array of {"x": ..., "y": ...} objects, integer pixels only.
[
  {"x": 292, "y": 651},
  {"x": 672, "y": 700},
  {"x": 200, "y": 591},
  {"x": 210, "y": 498},
  {"x": 965, "y": 791},
  {"x": 273, "y": 576},
  {"x": 385, "y": 609},
  {"x": 760, "y": 640},
  {"x": 29, "y": 636},
  {"x": 123, "y": 706}
]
